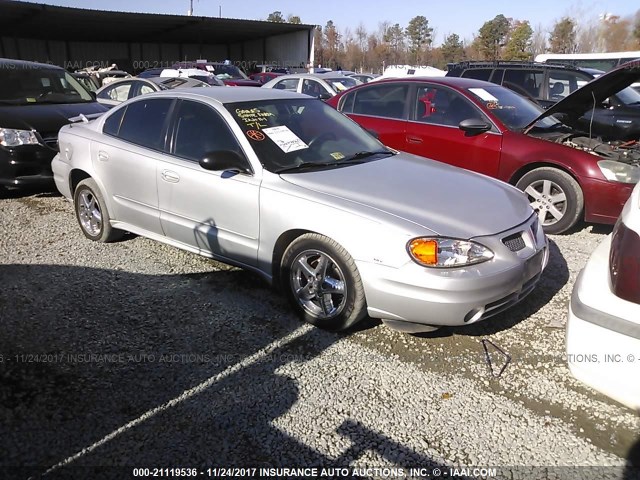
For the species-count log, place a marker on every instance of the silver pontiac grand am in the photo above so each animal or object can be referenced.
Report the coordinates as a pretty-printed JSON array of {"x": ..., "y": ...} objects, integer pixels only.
[{"x": 284, "y": 185}]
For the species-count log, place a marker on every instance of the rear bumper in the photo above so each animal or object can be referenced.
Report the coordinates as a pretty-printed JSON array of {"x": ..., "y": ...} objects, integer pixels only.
[{"x": 603, "y": 334}]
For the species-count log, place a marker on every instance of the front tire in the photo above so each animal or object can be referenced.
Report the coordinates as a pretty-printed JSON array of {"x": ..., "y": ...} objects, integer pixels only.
[
  {"x": 555, "y": 196},
  {"x": 92, "y": 214},
  {"x": 322, "y": 282}
]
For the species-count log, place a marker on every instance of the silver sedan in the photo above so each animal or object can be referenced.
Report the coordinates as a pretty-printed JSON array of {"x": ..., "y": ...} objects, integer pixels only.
[{"x": 282, "y": 184}]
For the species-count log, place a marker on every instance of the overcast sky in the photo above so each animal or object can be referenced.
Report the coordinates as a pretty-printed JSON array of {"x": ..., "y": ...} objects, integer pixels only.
[{"x": 463, "y": 17}]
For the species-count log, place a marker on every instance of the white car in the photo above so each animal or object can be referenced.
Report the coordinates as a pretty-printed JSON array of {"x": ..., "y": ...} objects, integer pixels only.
[
  {"x": 322, "y": 86},
  {"x": 196, "y": 73},
  {"x": 603, "y": 328}
]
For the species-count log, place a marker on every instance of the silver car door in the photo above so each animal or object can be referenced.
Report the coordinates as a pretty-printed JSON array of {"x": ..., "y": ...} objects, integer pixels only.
[
  {"x": 216, "y": 212},
  {"x": 126, "y": 161}
]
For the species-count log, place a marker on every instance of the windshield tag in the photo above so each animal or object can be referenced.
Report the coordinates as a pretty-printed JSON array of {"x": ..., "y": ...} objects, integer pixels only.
[
  {"x": 285, "y": 139},
  {"x": 337, "y": 155},
  {"x": 483, "y": 94}
]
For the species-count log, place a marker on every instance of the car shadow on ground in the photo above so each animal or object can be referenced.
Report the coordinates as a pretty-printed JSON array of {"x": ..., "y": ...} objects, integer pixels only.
[
  {"x": 632, "y": 470},
  {"x": 115, "y": 369},
  {"x": 10, "y": 193},
  {"x": 554, "y": 277}
]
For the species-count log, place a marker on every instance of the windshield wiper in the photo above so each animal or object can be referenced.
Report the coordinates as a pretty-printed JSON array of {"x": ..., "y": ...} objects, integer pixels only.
[
  {"x": 352, "y": 160},
  {"x": 365, "y": 154}
]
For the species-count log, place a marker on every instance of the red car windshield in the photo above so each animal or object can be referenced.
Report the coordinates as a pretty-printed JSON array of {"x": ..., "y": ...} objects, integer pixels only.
[{"x": 515, "y": 111}]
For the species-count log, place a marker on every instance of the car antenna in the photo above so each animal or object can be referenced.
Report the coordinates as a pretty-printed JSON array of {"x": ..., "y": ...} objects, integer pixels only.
[{"x": 593, "y": 112}]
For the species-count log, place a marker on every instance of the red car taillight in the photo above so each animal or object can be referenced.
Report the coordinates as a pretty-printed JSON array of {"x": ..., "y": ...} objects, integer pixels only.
[{"x": 624, "y": 263}]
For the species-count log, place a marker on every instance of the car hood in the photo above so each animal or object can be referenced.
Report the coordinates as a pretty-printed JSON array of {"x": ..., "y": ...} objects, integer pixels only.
[
  {"x": 599, "y": 89},
  {"x": 447, "y": 200},
  {"x": 45, "y": 118}
]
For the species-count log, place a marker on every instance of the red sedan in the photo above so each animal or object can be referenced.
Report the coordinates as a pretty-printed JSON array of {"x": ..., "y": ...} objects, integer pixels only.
[{"x": 487, "y": 128}]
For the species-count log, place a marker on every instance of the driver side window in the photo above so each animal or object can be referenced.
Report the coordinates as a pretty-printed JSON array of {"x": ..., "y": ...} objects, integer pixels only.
[{"x": 441, "y": 106}]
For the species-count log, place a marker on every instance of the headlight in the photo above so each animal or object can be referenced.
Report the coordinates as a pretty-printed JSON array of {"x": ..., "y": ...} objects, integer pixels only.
[
  {"x": 13, "y": 138},
  {"x": 447, "y": 252},
  {"x": 619, "y": 172}
]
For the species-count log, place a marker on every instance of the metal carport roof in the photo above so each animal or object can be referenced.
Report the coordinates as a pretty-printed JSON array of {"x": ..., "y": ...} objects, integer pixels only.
[{"x": 48, "y": 22}]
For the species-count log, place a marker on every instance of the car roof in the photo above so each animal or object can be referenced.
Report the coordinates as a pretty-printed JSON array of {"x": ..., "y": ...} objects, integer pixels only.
[
  {"x": 467, "y": 64},
  {"x": 232, "y": 94},
  {"x": 320, "y": 76},
  {"x": 456, "y": 82}
]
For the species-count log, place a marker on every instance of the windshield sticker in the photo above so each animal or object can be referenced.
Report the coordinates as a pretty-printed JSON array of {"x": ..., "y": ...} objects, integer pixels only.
[
  {"x": 285, "y": 139},
  {"x": 209, "y": 68},
  {"x": 483, "y": 94},
  {"x": 253, "y": 117},
  {"x": 337, "y": 155},
  {"x": 492, "y": 105},
  {"x": 256, "y": 135}
]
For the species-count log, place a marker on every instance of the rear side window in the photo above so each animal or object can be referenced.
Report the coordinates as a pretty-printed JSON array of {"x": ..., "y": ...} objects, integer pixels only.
[
  {"x": 563, "y": 83},
  {"x": 290, "y": 84},
  {"x": 381, "y": 101},
  {"x": 112, "y": 124},
  {"x": 143, "y": 123},
  {"x": 478, "y": 74},
  {"x": 525, "y": 82}
]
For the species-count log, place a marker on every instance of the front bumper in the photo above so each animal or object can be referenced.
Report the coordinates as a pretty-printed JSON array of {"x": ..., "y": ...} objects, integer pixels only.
[
  {"x": 604, "y": 200},
  {"x": 460, "y": 296},
  {"x": 603, "y": 333},
  {"x": 26, "y": 165}
]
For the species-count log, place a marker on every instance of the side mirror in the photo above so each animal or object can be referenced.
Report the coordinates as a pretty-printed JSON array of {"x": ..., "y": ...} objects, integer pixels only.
[
  {"x": 325, "y": 96},
  {"x": 224, "y": 160},
  {"x": 474, "y": 126}
]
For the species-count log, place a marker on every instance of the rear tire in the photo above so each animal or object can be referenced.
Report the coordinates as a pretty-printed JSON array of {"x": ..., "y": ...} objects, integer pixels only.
[
  {"x": 92, "y": 214},
  {"x": 322, "y": 282},
  {"x": 555, "y": 196}
]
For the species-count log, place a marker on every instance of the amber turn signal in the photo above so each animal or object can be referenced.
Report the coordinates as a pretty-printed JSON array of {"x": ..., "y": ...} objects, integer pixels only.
[{"x": 425, "y": 251}]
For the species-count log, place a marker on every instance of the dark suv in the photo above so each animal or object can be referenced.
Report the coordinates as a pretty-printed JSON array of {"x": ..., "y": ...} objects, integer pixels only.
[
  {"x": 617, "y": 118},
  {"x": 36, "y": 99}
]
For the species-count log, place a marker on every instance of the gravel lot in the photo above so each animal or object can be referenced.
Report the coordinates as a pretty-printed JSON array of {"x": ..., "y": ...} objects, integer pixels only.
[{"x": 137, "y": 354}]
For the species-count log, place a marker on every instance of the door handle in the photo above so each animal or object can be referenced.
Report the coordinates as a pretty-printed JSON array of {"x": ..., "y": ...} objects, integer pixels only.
[
  {"x": 103, "y": 156},
  {"x": 170, "y": 176},
  {"x": 414, "y": 140}
]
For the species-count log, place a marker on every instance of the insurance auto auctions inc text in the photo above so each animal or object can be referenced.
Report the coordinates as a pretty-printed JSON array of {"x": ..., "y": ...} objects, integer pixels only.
[{"x": 377, "y": 472}]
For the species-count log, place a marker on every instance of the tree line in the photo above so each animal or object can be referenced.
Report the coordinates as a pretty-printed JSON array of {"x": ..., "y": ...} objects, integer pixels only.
[{"x": 500, "y": 38}]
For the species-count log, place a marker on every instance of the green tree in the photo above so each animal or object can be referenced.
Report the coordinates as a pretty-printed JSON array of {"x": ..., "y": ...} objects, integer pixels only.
[
  {"x": 294, "y": 19},
  {"x": 394, "y": 36},
  {"x": 332, "y": 44},
  {"x": 452, "y": 49},
  {"x": 276, "y": 17},
  {"x": 491, "y": 37},
  {"x": 563, "y": 36},
  {"x": 518, "y": 46},
  {"x": 419, "y": 35}
]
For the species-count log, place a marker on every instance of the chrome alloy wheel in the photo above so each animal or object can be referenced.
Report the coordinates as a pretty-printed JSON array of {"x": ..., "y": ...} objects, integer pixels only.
[
  {"x": 89, "y": 213},
  {"x": 548, "y": 199},
  {"x": 318, "y": 284}
]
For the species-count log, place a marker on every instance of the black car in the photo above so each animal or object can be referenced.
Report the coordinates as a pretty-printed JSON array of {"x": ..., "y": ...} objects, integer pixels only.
[
  {"x": 36, "y": 99},
  {"x": 615, "y": 118}
]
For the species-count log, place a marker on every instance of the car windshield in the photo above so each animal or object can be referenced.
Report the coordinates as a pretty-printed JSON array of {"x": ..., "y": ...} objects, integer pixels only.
[
  {"x": 226, "y": 72},
  {"x": 628, "y": 96},
  {"x": 339, "y": 84},
  {"x": 515, "y": 111},
  {"x": 296, "y": 135},
  {"x": 28, "y": 85}
]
